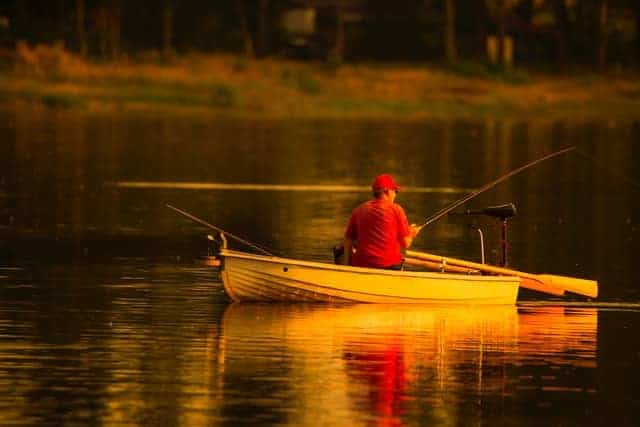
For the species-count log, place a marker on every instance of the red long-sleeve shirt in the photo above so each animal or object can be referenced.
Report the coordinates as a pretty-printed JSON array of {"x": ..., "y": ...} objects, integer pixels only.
[{"x": 379, "y": 227}]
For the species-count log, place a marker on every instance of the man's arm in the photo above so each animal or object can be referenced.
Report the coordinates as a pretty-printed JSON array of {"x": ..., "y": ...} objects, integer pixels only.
[
  {"x": 413, "y": 232},
  {"x": 348, "y": 250}
]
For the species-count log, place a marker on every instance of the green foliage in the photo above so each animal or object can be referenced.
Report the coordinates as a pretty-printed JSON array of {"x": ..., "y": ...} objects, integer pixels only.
[
  {"x": 511, "y": 75},
  {"x": 224, "y": 96},
  {"x": 240, "y": 64},
  {"x": 154, "y": 94},
  {"x": 377, "y": 106},
  {"x": 471, "y": 69},
  {"x": 63, "y": 101},
  {"x": 333, "y": 61},
  {"x": 302, "y": 80}
]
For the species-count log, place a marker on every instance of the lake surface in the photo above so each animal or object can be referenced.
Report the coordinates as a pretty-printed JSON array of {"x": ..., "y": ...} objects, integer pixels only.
[{"x": 109, "y": 314}]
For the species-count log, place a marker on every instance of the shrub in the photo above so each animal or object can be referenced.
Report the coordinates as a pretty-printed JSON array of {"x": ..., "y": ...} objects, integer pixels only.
[
  {"x": 470, "y": 69},
  {"x": 52, "y": 61},
  {"x": 223, "y": 96},
  {"x": 302, "y": 80},
  {"x": 473, "y": 69},
  {"x": 63, "y": 101}
]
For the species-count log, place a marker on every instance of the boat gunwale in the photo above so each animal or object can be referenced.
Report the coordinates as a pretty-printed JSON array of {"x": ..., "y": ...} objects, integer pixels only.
[{"x": 364, "y": 270}]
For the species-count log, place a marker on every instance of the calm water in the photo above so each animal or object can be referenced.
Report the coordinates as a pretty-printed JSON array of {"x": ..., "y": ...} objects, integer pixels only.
[{"x": 109, "y": 314}]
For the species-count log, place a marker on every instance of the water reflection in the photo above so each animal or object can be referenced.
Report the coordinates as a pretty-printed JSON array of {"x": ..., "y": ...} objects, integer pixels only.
[
  {"x": 391, "y": 364},
  {"x": 96, "y": 345},
  {"x": 149, "y": 346}
]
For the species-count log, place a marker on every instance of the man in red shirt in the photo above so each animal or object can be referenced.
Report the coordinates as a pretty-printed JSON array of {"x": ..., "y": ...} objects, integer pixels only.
[{"x": 378, "y": 229}]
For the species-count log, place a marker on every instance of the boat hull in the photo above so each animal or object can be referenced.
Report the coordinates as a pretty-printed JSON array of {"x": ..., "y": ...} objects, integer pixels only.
[{"x": 248, "y": 277}]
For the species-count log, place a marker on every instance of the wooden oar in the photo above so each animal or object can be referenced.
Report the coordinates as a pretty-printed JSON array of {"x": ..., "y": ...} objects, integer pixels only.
[
  {"x": 526, "y": 283},
  {"x": 437, "y": 266},
  {"x": 448, "y": 265},
  {"x": 547, "y": 283}
]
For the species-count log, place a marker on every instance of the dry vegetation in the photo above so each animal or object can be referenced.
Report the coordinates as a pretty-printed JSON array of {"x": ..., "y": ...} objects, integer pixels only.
[{"x": 230, "y": 84}]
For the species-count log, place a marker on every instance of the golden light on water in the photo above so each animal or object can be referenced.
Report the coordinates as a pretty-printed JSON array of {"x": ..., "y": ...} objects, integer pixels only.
[
  {"x": 377, "y": 357},
  {"x": 278, "y": 187}
]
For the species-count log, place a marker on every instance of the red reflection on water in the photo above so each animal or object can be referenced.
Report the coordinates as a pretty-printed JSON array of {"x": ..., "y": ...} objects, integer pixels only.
[{"x": 385, "y": 375}]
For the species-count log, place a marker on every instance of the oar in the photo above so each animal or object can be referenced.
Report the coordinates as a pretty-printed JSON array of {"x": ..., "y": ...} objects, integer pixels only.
[
  {"x": 446, "y": 265},
  {"x": 431, "y": 265},
  {"x": 442, "y": 212},
  {"x": 527, "y": 283},
  {"x": 547, "y": 283}
]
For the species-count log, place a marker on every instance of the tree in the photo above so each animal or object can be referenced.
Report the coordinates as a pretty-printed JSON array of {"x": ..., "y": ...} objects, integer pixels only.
[
  {"x": 502, "y": 28},
  {"x": 524, "y": 12},
  {"x": 116, "y": 24},
  {"x": 480, "y": 14},
  {"x": 81, "y": 34},
  {"x": 108, "y": 24},
  {"x": 501, "y": 9},
  {"x": 244, "y": 28},
  {"x": 562, "y": 33},
  {"x": 167, "y": 28},
  {"x": 263, "y": 27},
  {"x": 450, "y": 31},
  {"x": 601, "y": 49},
  {"x": 637, "y": 47},
  {"x": 339, "y": 45}
]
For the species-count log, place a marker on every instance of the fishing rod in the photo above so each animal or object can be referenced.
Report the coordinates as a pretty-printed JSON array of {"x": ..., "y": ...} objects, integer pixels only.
[
  {"x": 444, "y": 211},
  {"x": 219, "y": 230}
]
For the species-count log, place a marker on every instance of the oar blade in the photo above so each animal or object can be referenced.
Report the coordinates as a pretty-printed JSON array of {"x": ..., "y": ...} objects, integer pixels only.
[
  {"x": 588, "y": 288},
  {"x": 544, "y": 286}
]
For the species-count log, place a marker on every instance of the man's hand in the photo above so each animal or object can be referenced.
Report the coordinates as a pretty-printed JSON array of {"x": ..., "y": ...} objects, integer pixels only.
[
  {"x": 414, "y": 229},
  {"x": 413, "y": 232},
  {"x": 348, "y": 250}
]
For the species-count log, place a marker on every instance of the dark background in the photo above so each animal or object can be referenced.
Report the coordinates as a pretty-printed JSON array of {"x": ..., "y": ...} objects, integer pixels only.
[{"x": 547, "y": 34}]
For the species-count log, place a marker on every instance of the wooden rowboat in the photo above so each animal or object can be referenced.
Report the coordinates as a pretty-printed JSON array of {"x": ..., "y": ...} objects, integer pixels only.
[{"x": 249, "y": 277}]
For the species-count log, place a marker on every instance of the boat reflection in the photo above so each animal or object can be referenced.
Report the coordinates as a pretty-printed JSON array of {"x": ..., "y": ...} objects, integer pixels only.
[{"x": 387, "y": 364}]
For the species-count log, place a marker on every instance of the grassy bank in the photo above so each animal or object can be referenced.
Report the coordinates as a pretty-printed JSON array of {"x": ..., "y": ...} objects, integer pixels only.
[{"x": 279, "y": 88}]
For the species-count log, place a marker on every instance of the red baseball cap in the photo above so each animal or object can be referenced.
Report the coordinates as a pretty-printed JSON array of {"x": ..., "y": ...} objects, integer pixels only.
[{"x": 384, "y": 182}]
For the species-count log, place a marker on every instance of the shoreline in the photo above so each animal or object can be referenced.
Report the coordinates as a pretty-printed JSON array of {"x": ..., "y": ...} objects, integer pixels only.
[{"x": 229, "y": 85}]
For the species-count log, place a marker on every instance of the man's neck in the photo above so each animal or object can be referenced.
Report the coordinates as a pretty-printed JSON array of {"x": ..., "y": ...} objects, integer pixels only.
[{"x": 386, "y": 198}]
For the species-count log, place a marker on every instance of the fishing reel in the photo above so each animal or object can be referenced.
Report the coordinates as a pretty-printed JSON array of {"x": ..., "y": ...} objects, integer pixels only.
[
  {"x": 500, "y": 212},
  {"x": 214, "y": 244}
]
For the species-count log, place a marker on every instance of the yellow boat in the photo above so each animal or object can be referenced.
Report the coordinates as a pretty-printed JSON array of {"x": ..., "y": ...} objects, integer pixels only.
[{"x": 249, "y": 277}]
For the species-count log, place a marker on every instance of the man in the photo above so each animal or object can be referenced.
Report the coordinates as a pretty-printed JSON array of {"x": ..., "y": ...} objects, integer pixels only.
[{"x": 378, "y": 229}]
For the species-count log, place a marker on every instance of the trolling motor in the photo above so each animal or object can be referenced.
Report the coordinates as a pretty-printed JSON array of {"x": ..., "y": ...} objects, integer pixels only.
[{"x": 502, "y": 213}]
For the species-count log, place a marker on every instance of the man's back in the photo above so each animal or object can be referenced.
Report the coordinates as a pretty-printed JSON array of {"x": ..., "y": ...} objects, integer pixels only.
[{"x": 379, "y": 227}]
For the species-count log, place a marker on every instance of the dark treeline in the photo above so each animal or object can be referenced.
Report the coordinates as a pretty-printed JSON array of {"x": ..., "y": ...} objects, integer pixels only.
[{"x": 556, "y": 33}]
